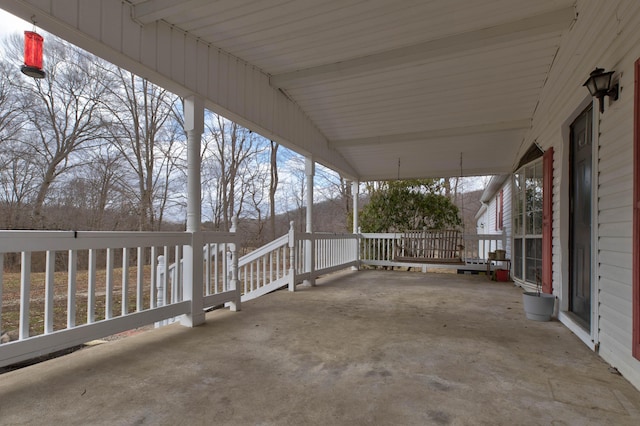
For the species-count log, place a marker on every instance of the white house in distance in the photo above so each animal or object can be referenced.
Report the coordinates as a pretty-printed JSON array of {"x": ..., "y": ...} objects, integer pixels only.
[
  {"x": 494, "y": 215},
  {"x": 363, "y": 89}
]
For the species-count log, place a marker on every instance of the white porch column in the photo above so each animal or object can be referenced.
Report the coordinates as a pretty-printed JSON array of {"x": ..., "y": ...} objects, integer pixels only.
[
  {"x": 310, "y": 171},
  {"x": 192, "y": 254},
  {"x": 355, "y": 193}
]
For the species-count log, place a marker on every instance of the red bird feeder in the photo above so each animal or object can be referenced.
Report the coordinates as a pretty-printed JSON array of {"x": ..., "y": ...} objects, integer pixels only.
[{"x": 33, "y": 55}]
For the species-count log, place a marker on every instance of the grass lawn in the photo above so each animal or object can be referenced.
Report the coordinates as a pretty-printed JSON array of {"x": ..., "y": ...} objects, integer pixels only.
[{"x": 10, "y": 314}]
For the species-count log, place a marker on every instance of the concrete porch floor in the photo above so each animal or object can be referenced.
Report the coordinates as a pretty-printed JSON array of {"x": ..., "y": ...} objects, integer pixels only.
[{"x": 370, "y": 347}]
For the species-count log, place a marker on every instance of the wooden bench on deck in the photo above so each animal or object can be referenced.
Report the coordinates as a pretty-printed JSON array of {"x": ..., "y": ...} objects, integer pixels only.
[{"x": 431, "y": 246}]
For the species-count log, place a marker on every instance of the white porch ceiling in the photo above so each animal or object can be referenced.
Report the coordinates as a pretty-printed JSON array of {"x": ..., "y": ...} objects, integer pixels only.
[{"x": 385, "y": 82}]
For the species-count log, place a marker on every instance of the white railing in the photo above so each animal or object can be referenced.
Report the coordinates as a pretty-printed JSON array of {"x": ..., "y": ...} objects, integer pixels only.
[
  {"x": 334, "y": 252},
  {"x": 74, "y": 287},
  {"x": 267, "y": 269},
  {"x": 477, "y": 247},
  {"x": 218, "y": 252},
  {"x": 379, "y": 249},
  {"x": 294, "y": 258}
]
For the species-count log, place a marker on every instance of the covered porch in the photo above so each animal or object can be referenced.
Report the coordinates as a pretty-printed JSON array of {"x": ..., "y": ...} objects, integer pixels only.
[
  {"x": 374, "y": 91},
  {"x": 367, "y": 347}
]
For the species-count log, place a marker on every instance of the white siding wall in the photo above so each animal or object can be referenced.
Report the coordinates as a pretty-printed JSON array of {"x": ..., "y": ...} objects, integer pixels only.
[
  {"x": 482, "y": 223},
  {"x": 506, "y": 216},
  {"x": 489, "y": 216},
  {"x": 604, "y": 35}
]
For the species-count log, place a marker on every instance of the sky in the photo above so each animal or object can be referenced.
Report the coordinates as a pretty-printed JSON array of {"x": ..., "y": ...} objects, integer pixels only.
[{"x": 10, "y": 24}]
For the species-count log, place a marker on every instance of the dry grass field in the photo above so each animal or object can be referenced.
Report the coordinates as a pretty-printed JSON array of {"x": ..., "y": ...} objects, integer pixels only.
[{"x": 10, "y": 314}]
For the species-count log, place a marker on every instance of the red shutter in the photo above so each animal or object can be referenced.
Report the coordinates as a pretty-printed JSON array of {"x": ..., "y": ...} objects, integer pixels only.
[
  {"x": 547, "y": 221},
  {"x": 636, "y": 213},
  {"x": 501, "y": 218}
]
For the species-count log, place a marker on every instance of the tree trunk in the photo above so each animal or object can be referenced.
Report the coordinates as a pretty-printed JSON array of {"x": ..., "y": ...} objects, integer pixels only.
[{"x": 273, "y": 186}]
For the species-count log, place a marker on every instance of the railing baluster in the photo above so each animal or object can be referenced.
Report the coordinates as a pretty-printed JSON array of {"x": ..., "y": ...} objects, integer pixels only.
[
  {"x": 25, "y": 294},
  {"x": 176, "y": 282},
  {"x": 140, "y": 281},
  {"x": 91, "y": 290},
  {"x": 252, "y": 267},
  {"x": 49, "y": 284},
  {"x": 108, "y": 304},
  {"x": 264, "y": 270},
  {"x": 207, "y": 269},
  {"x": 154, "y": 278},
  {"x": 216, "y": 279},
  {"x": 271, "y": 267},
  {"x": 125, "y": 281},
  {"x": 221, "y": 267},
  {"x": 165, "y": 276},
  {"x": 71, "y": 289},
  {"x": 244, "y": 280}
]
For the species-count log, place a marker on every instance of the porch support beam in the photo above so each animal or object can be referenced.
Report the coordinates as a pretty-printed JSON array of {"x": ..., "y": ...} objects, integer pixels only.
[
  {"x": 502, "y": 126},
  {"x": 310, "y": 171},
  {"x": 193, "y": 279},
  {"x": 432, "y": 50}
]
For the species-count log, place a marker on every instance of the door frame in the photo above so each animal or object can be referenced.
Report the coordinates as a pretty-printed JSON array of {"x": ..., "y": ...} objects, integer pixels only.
[
  {"x": 589, "y": 337},
  {"x": 635, "y": 328}
]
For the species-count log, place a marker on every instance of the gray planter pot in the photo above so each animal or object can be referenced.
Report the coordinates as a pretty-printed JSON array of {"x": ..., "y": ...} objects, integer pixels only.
[{"x": 538, "y": 307}]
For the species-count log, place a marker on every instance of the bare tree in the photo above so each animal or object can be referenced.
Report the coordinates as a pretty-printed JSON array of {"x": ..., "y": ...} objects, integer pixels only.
[
  {"x": 10, "y": 108},
  {"x": 273, "y": 185},
  {"x": 141, "y": 127},
  {"x": 18, "y": 183},
  {"x": 296, "y": 185},
  {"x": 61, "y": 115},
  {"x": 335, "y": 190},
  {"x": 227, "y": 153},
  {"x": 96, "y": 190},
  {"x": 254, "y": 184}
]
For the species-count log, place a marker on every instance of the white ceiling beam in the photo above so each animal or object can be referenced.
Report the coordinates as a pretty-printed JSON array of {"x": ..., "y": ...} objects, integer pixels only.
[
  {"x": 556, "y": 20},
  {"x": 155, "y": 10},
  {"x": 435, "y": 134}
]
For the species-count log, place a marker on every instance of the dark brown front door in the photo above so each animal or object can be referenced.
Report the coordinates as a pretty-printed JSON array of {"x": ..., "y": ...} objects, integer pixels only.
[{"x": 580, "y": 217}]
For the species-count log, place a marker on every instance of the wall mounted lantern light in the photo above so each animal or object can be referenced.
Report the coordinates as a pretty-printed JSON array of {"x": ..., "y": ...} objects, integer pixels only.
[
  {"x": 600, "y": 84},
  {"x": 33, "y": 55}
]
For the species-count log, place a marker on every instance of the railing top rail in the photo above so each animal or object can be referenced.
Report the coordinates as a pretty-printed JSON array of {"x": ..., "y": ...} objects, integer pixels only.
[
  {"x": 85, "y": 234},
  {"x": 315, "y": 236},
  {"x": 218, "y": 237},
  {"x": 330, "y": 236},
  {"x": 381, "y": 234},
  {"x": 17, "y": 241}
]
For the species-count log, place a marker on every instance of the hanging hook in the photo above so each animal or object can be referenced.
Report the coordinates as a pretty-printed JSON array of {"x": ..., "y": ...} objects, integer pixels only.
[{"x": 33, "y": 21}]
